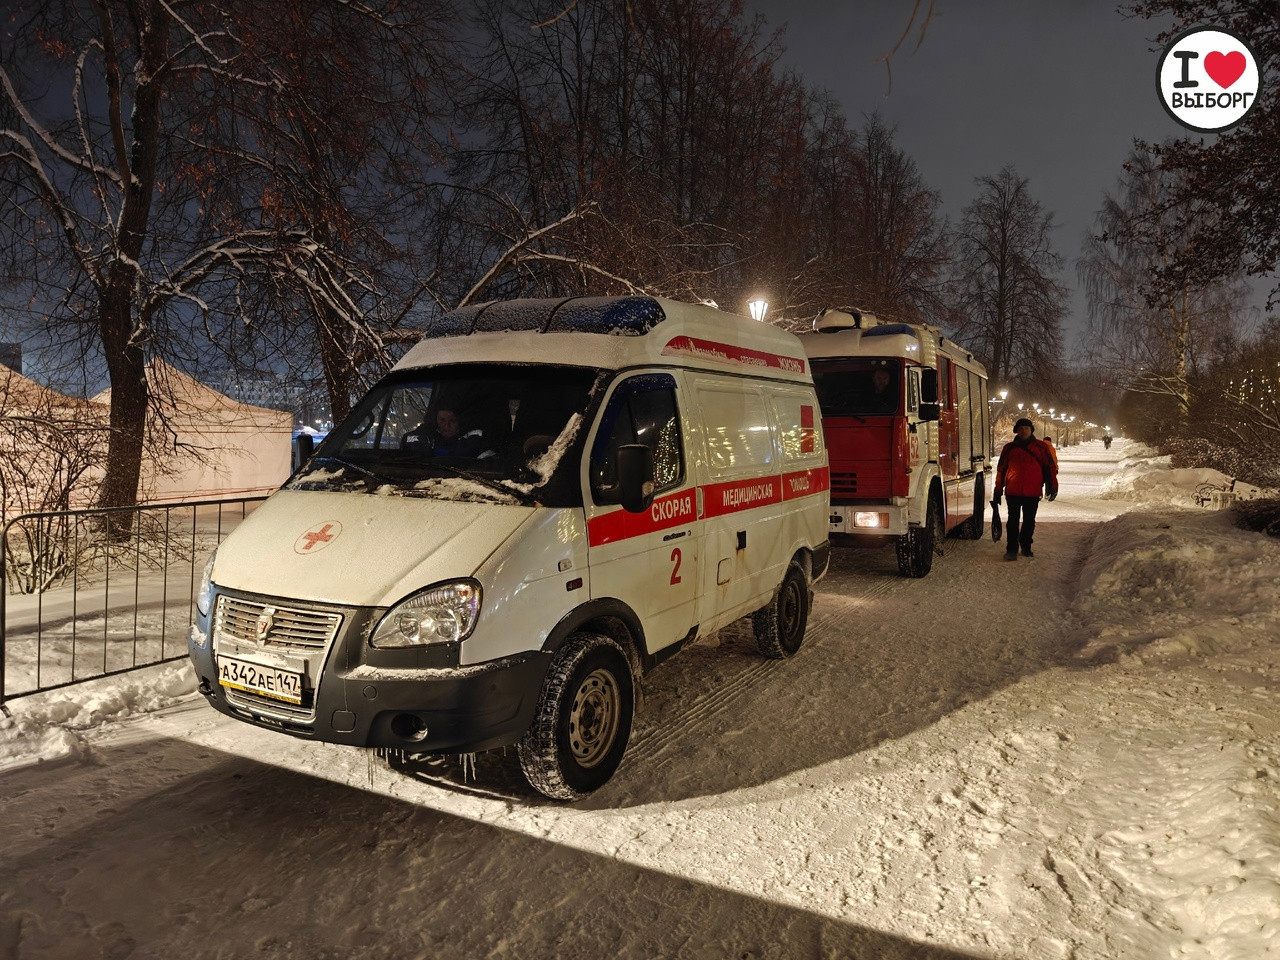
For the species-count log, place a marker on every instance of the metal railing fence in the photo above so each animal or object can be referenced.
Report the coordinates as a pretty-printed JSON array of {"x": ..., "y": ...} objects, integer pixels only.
[{"x": 79, "y": 600}]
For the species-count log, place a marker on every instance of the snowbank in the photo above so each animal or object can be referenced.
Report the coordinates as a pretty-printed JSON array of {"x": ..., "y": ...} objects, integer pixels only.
[{"x": 50, "y": 726}]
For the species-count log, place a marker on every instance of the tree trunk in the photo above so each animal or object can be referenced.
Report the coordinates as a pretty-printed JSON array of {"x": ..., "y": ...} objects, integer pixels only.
[
  {"x": 126, "y": 366},
  {"x": 122, "y": 341},
  {"x": 336, "y": 362}
]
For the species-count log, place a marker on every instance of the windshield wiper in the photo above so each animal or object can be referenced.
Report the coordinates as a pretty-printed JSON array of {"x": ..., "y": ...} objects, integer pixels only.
[
  {"x": 352, "y": 466},
  {"x": 493, "y": 485}
]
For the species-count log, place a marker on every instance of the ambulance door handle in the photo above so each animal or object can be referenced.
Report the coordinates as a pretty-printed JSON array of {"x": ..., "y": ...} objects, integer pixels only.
[{"x": 699, "y": 503}]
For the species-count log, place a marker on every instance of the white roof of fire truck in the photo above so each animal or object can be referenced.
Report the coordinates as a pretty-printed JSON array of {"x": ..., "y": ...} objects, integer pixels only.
[{"x": 847, "y": 332}]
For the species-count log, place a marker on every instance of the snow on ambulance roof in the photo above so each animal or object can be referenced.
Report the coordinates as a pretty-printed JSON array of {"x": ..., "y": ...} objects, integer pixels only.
[{"x": 609, "y": 332}]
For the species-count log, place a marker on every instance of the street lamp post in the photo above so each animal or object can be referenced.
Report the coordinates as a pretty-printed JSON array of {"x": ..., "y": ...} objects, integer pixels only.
[{"x": 997, "y": 412}]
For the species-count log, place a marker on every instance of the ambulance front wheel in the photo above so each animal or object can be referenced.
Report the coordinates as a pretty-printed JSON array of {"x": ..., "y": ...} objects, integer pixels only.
[
  {"x": 583, "y": 720},
  {"x": 779, "y": 627}
]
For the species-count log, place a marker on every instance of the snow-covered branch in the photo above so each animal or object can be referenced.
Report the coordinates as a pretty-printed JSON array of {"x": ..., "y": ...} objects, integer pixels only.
[{"x": 512, "y": 253}]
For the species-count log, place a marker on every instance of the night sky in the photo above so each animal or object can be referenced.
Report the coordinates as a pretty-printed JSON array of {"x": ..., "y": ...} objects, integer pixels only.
[{"x": 1060, "y": 90}]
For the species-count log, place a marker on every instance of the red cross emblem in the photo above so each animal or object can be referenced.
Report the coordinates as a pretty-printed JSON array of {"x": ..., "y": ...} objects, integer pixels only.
[{"x": 318, "y": 537}]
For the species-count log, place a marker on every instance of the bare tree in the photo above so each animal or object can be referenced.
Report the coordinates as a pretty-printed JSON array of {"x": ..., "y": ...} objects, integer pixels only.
[
  {"x": 1234, "y": 175},
  {"x": 170, "y": 167},
  {"x": 1150, "y": 335},
  {"x": 900, "y": 248},
  {"x": 667, "y": 117},
  {"x": 1010, "y": 304},
  {"x": 50, "y": 446}
]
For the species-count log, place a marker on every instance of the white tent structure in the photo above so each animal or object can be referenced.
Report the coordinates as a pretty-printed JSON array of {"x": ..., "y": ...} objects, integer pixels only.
[
  {"x": 202, "y": 445},
  {"x": 50, "y": 445}
]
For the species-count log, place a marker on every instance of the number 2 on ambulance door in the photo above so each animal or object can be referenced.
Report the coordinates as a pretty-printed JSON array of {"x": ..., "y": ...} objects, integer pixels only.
[{"x": 675, "y": 572}]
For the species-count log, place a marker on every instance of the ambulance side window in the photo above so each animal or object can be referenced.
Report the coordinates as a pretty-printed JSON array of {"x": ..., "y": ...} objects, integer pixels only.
[{"x": 642, "y": 410}]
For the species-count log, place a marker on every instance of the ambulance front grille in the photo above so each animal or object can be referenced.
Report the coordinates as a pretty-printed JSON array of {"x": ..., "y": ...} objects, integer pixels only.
[
  {"x": 258, "y": 704},
  {"x": 287, "y": 627}
]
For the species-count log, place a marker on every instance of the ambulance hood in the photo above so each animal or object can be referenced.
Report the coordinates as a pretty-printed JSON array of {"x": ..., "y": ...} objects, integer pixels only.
[{"x": 360, "y": 549}]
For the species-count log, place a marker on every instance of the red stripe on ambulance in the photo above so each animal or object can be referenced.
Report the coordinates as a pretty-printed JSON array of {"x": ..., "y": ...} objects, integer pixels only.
[
  {"x": 802, "y": 483},
  {"x": 723, "y": 498},
  {"x": 719, "y": 499},
  {"x": 672, "y": 510},
  {"x": 728, "y": 353}
]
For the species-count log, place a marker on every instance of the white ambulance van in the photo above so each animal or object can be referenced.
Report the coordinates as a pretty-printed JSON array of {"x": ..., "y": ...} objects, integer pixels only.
[{"x": 542, "y": 501}]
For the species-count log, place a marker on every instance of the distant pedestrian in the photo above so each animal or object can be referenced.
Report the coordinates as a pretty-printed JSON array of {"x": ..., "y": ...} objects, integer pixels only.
[
  {"x": 1026, "y": 468},
  {"x": 1048, "y": 442}
]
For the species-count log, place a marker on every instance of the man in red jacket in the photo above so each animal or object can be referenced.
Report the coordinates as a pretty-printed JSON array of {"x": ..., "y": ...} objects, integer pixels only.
[{"x": 1026, "y": 465}]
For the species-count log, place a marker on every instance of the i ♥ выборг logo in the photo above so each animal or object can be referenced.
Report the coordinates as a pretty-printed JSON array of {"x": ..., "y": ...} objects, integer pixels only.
[{"x": 1208, "y": 79}]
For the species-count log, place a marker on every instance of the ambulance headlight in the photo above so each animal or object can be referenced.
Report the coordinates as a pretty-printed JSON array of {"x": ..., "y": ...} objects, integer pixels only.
[
  {"x": 871, "y": 520},
  {"x": 205, "y": 593},
  {"x": 445, "y": 613}
]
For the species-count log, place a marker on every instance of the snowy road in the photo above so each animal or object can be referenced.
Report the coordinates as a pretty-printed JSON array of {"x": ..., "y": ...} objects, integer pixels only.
[{"x": 1069, "y": 757}]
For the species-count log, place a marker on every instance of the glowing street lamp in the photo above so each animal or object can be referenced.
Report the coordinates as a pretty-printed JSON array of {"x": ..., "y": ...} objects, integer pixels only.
[{"x": 759, "y": 308}]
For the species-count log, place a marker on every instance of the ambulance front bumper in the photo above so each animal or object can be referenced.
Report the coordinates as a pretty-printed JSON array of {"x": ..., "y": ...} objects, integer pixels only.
[{"x": 412, "y": 699}]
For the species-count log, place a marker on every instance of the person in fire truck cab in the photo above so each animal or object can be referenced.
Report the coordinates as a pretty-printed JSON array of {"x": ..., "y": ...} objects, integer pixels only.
[
  {"x": 883, "y": 398},
  {"x": 1026, "y": 468}
]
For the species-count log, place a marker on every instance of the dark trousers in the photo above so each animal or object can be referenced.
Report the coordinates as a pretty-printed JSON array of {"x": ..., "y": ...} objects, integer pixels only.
[{"x": 1020, "y": 528}]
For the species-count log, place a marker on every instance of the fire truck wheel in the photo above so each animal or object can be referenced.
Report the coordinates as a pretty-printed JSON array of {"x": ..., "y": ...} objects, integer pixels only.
[
  {"x": 917, "y": 546},
  {"x": 779, "y": 627},
  {"x": 975, "y": 526},
  {"x": 580, "y": 731}
]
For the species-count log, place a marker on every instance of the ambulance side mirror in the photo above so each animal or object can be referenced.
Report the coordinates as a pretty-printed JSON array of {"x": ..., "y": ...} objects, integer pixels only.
[
  {"x": 635, "y": 477},
  {"x": 306, "y": 447}
]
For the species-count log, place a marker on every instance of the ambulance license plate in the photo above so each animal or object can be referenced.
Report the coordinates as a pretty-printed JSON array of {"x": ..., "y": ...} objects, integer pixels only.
[{"x": 260, "y": 679}]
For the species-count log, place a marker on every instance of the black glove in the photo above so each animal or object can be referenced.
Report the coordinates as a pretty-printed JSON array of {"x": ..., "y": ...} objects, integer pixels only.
[
  {"x": 995, "y": 502},
  {"x": 1053, "y": 495}
]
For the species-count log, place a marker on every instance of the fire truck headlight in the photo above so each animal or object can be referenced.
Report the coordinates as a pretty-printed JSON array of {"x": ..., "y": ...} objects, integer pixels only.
[{"x": 871, "y": 520}]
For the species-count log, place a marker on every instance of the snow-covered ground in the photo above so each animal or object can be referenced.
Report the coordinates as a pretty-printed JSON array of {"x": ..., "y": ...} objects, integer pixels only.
[{"x": 1073, "y": 756}]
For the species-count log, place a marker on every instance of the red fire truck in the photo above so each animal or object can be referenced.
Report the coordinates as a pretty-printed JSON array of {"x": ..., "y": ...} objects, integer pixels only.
[{"x": 904, "y": 411}]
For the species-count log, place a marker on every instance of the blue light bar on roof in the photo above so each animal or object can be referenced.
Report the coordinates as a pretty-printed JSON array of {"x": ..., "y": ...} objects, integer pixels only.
[
  {"x": 887, "y": 329},
  {"x": 618, "y": 316}
]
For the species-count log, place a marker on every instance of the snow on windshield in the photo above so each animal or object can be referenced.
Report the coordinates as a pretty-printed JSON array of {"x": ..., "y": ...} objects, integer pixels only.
[{"x": 463, "y": 432}]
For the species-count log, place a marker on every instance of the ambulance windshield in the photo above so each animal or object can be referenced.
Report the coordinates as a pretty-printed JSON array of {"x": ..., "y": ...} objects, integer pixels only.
[
  {"x": 463, "y": 432},
  {"x": 858, "y": 388}
]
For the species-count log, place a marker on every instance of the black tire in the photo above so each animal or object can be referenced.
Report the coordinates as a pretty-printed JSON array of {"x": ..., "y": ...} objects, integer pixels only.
[
  {"x": 583, "y": 721},
  {"x": 976, "y": 525},
  {"x": 779, "y": 627},
  {"x": 918, "y": 545}
]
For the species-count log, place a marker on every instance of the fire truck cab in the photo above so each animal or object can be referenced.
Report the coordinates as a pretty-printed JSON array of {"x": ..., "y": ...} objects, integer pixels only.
[{"x": 908, "y": 434}]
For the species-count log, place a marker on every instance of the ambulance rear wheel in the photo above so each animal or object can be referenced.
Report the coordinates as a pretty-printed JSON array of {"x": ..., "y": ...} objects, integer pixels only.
[
  {"x": 779, "y": 627},
  {"x": 583, "y": 720},
  {"x": 917, "y": 546}
]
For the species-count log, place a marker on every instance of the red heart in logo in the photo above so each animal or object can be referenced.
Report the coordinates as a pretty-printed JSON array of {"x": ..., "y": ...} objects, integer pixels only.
[{"x": 1224, "y": 69}]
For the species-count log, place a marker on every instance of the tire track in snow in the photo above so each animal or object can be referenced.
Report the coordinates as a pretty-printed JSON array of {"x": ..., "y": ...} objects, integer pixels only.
[{"x": 700, "y": 711}]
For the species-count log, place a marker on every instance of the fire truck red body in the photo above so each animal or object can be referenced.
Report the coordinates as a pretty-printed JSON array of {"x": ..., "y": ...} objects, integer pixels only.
[{"x": 905, "y": 415}]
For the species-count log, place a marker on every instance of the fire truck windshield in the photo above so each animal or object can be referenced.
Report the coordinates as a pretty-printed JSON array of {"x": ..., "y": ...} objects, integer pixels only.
[{"x": 858, "y": 388}]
